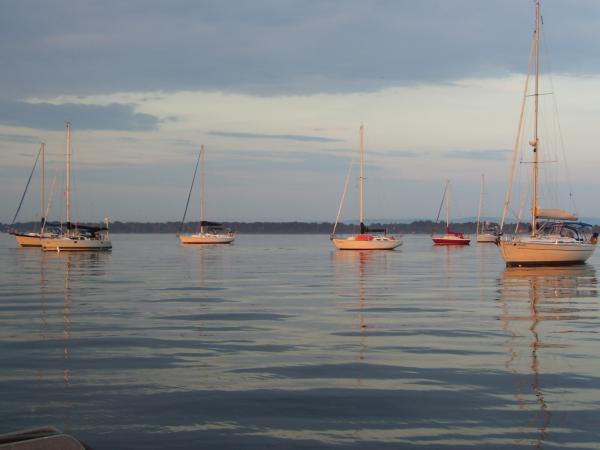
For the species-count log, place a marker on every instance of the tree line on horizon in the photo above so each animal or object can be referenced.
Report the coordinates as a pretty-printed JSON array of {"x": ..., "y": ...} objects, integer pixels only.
[{"x": 292, "y": 227}]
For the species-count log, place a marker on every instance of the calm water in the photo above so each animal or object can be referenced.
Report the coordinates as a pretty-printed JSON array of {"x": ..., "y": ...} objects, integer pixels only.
[{"x": 283, "y": 342}]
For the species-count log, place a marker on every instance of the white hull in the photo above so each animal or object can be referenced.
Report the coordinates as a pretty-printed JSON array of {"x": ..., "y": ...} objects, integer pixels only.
[
  {"x": 486, "y": 237},
  {"x": 377, "y": 243},
  {"x": 531, "y": 252},
  {"x": 74, "y": 244},
  {"x": 204, "y": 238}
]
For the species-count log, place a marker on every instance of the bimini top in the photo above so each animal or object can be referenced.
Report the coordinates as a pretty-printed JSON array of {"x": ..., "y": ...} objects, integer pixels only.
[
  {"x": 72, "y": 226},
  {"x": 574, "y": 225},
  {"x": 206, "y": 223}
]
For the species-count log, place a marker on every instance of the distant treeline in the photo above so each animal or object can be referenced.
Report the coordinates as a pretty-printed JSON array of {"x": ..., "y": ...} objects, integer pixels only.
[{"x": 419, "y": 226}]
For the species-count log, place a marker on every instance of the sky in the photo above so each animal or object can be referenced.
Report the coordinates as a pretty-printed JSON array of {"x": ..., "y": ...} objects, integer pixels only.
[{"x": 276, "y": 90}]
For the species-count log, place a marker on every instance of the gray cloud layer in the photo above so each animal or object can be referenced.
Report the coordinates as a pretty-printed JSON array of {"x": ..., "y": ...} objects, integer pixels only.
[
  {"x": 287, "y": 137},
  {"x": 87, "y": 117},
  {"x": 483, "y": 154},
  {"x": 274, "y": 47}
]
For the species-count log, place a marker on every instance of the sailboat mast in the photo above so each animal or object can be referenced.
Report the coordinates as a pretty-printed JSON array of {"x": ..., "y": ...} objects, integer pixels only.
[
  {"x": 202, "y": 187},
  {"x": 362, "y": 179},
  {"x": 68, "y": 175},
  {"x": 480, "y": 204},
  {"x": 43, "y": 183},
  {"x": 535, "y": 141},
  {"x": 447, "y": 206}
]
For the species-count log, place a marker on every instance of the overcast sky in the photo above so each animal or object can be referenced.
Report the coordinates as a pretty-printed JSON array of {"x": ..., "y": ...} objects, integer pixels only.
[{"x": 276, "y": 91}]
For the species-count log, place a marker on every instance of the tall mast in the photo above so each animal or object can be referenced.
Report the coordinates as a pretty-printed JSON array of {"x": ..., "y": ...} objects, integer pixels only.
[
  {"x": 202, "y": 187},
  {"x": 43, "y": 183},
  {"x": 480, "y": 204},
  {"x": 362, "y": 179},
  {"x": 68, "y": 193},
  {"x": 535, "y": 141},
  {"x": 448, "y": 206}
]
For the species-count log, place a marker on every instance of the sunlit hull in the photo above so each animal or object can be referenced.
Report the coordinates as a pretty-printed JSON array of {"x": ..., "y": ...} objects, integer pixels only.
[
  {"x": 29, "y": 240},
  {"x": 450, "y": 240},
  {"x": 203, "y": 238},
  {"x": 375, "y": 243},
  {"x": 544, "y": 252},
  {"x": 74, "y": 244},
  {"x": 486, "y": 237}
]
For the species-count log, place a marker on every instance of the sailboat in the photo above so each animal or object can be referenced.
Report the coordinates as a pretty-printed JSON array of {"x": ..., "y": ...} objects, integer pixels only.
[
  {"x": 209, "y": 232},
  {"x": 485, "y": 232},
  {"x": 556, "y": 237},
  {"x": 34, "y": 239},
  {"x": 369, "y": 238},
  {"x": 75, "y": 237},
  {"x": 451, "y": 237}
]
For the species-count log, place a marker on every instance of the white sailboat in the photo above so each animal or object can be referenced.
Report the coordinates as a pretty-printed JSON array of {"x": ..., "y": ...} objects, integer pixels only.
[
  {"x": 485, "y": 232},
  {"x": 34, "y": 239},
  {"x": 209, "y": 232},
  {"x": 451, "y": 237},
  {"x": 75, "y": 237},
  {"x": 556, "y": 237},
  {"x": 368, "y": 239}
]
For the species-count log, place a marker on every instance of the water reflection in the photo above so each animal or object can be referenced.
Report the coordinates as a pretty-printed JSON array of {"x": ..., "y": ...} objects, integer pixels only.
[
  {"x": 534, "y": 301},
  {"x": 353, "y": 271},
  {"x": 60, "y": 275}
]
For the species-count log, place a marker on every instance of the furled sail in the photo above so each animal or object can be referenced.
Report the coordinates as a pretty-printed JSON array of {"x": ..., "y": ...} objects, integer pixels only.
[{"x": 555, "y": 214}]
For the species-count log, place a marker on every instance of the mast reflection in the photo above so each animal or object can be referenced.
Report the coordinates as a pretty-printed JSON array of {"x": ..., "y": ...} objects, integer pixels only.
[
  {"x": 353, "y": 270},
  {"x": 533, "y": 301},
  {"x": 60, "y": 276}
]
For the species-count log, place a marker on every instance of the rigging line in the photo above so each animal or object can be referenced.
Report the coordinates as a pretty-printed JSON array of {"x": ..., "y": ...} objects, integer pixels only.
[
  {"x": 437, "y": 218},
  {"x": 557, "y": 120},
  {"x": 190, "y": 193},
  {"x": 343, "y": 196},
  {"x": 26, "y": 186},
  {"x": 74, "y": 196},
  {"x": 518, "y": 138},
  {"x": 45, "y": 219}
]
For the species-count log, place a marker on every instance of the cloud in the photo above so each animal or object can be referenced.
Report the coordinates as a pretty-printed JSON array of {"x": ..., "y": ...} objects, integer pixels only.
[
  {"x": 398, "y": 153},
  {"x": 287, "y": 137},
  {"x": 278, "y": 48},
  {"x": 20, "y": 138},
  {"x": 48, "y": 116},
  {"x": 495, "y": 155}
]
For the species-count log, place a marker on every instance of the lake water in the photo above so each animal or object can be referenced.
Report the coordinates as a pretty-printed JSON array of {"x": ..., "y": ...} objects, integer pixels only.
[{"x": 283, "y": 342}]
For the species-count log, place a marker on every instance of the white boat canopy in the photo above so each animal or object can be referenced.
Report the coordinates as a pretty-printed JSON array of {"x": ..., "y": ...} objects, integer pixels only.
[{"x": 556, "y": 214}]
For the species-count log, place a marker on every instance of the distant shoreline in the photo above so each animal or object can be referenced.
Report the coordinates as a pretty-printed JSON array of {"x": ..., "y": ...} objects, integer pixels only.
[{"x": 292, "y": 227}]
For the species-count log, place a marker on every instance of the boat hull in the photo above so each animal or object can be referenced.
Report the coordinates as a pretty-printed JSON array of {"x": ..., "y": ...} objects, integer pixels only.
[
  {"x": 351, "y": 243},
  {"x": 206, "y": 238},
  {"x": 486, "y": 237},
  {"x": 526, "y": 253},
  {"x": 28, "y": 240},
  {"x": 450, "y": 240},
  {"x": 74, "y": 245}
]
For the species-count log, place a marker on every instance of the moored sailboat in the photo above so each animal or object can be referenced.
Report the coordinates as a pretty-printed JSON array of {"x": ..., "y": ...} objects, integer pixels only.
[
  {"x": 485, "y": 232},
  {"x": 451, "y": 237},
  {"x": 368, "y": 238},
  {"x": 209, "y": 232},
  {"x": 34, "y": 239},
  {"x": 556, "y": 236},
  {"x": 75, "y": 237}
]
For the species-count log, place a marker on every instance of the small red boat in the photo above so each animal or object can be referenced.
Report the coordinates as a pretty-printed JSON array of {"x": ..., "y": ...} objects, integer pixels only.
[{"x": 451, "y": 237}]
